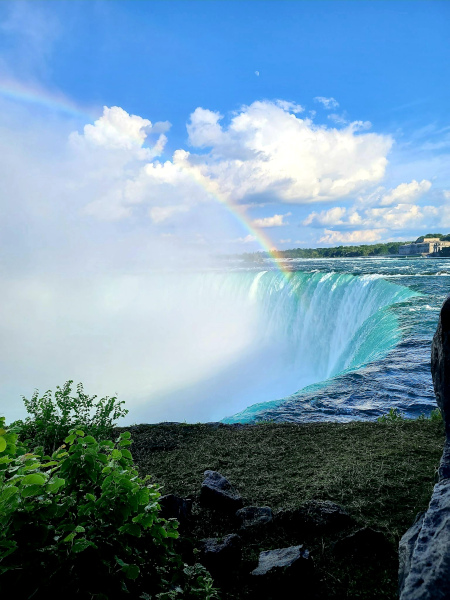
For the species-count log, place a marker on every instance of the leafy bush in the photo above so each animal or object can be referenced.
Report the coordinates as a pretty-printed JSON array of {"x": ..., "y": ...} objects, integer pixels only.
[
  {"x": 392, "y": 416},
  {"x": 82, "y": 524},
  {"x": 51, "y": 418},
  {"x": 436, "y": 415}
]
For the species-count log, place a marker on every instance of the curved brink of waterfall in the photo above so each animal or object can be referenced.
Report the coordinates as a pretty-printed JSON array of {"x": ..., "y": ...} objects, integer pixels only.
[{"x": 320, "y": 326}]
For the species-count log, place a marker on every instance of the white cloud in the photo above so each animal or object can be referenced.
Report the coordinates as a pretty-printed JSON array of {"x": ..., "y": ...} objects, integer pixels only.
[
  {"x": 257, "y": 73},
  {"x": 338, "y": 119},
  {"x": 333, "y": 216},
  {"x": 246, "y": 240},
  {"x": 288, "y": 241},
  {"x": 327, "y": 103},
  {"x": 267, "y": 150},
  {"x": 204, "y": 129},
  {"x": 117, "y": 130},
  {"x": 406, "y": 192},
  {"x": 360, "y": 237},
  {"x": 275, "y": 221},
  {"x": 446, "y": 194},
  {"x": 380, "y": 215},
  {"x": 162, "y": 213},
  {"x": 397, "y": 217},
  {"x": 292, "y": 107}
]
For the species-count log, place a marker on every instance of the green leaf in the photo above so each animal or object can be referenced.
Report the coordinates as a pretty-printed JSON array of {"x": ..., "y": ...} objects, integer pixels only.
[
  {"x": 79, "y": 432},
  {"x": 70, "y": 439},
  {"x": 143, "y": 496},
  {"x": 132, "y": 529},
  {"x": 2, "y": 444},
  {"x": 81, "y": 545},
  {"x": 132, "y": 571},
  {"x": 31, "y": 490},
  {"x": 126, "y": 453},
  {"x": 116, "y": 454},
  {"x": 33, "y": 479},
  {"x": 69, "y": 537},
  {"x": 80, "y": 529},
  {"x": 107, "y": 443},
  {"x": 125, "y": 435},
  {"x": 89, "y": 440},
  {"x": 55, "y": 484},
  {"x": 8, "y": 492},
  {"x": 2, "y": 431}
]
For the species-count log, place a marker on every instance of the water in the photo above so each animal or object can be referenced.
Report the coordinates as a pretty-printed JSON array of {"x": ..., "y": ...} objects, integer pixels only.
[{"x": 350, "y": 338}]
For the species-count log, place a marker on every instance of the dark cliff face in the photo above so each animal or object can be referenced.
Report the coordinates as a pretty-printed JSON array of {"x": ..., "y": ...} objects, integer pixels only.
[{"x": 440, "y": 363}]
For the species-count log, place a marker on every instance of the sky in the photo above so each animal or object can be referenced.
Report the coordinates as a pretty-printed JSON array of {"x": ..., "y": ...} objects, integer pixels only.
[{"x": 137, "y": 136}]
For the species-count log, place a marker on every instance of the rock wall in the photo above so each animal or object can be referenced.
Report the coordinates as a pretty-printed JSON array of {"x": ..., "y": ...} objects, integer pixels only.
[{"x": 424, "y": 550}]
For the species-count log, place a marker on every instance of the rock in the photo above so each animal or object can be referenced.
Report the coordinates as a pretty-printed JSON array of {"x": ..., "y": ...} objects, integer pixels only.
[
  {"x": 444, "y": 465},
  {"x": 440, "y": 363},
  {"x": 281, "y": 572},
  {"x": 424, "y": 550},
  {"x": 315, "y": 514},
  {"x": 364, "y": 542},
  {"x": 174, "y": 507},
  {"x": 429, "y": 566},
  {"x": 217, "y": 492},
  {"x": 254, "y": 516},
  {"x": 406, "y": 548},
  {"x": 221, "y": 555}
]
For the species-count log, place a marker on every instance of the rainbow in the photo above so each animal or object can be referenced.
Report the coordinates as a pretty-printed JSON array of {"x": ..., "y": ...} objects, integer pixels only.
[
  {"x": 56, "y": 102},
  {"x": 238, "y": 213}
]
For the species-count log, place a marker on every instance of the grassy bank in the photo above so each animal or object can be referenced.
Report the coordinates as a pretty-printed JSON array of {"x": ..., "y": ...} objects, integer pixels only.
[{"x": 382, "y": 473}]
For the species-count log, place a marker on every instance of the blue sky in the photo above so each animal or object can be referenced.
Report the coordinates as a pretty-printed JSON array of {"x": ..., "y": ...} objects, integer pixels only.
[
  {"x": 345, "y": 103},
  {"x": 136, "y": 136}
]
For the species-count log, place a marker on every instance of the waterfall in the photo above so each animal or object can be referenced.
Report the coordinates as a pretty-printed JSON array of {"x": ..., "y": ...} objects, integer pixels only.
[{"x": 278, "y": 333}]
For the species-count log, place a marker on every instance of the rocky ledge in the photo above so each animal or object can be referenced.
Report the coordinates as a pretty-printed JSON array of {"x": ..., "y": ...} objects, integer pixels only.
[{"x": 424, "y": 550}]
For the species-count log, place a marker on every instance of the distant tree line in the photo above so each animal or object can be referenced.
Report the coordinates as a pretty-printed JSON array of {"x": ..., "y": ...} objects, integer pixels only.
[
  {"x": 388, "y": 249},
  {"x": 337, "y": 252},
  {"x": 444, "y": 238}
]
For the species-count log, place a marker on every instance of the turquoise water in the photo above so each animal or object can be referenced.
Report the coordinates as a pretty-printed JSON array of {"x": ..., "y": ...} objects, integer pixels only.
[{"x": 355, "y": 334}]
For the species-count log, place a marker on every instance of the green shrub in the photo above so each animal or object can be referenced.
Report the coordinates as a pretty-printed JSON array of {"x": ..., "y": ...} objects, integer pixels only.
[
  {"x": 52, "y": 417},
  {"x": 392, "y": 416},
  {"x": 436, "y": 415},
  {"x": 82, "y": 524}
]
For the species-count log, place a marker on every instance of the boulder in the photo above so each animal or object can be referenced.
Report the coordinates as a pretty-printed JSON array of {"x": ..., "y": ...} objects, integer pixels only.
[
  {"x": 281, "y": 559},
  {"x": 406, "y": 549},
  {"x": 364, "y": 542},
  {"x": 217, "y": 492},
  {"x": 283, "y": 573},
  {"x": 221, "y": 555},
  {"x": 174, "y": 507},
  {"x": 440, "y": 363},
  {"x": 254, "y": 516},
  {"x": 424, "y": 550},
  {"x": 315, "y": 514},
  {"x": 425, "y": 576}
]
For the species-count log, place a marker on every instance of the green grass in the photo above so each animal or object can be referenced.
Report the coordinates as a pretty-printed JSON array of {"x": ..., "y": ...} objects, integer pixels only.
[{"x": 382, "y": 473}]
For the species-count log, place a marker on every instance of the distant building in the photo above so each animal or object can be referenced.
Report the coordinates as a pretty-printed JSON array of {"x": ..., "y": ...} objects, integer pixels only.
[{"x": 428, "y": 246}]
